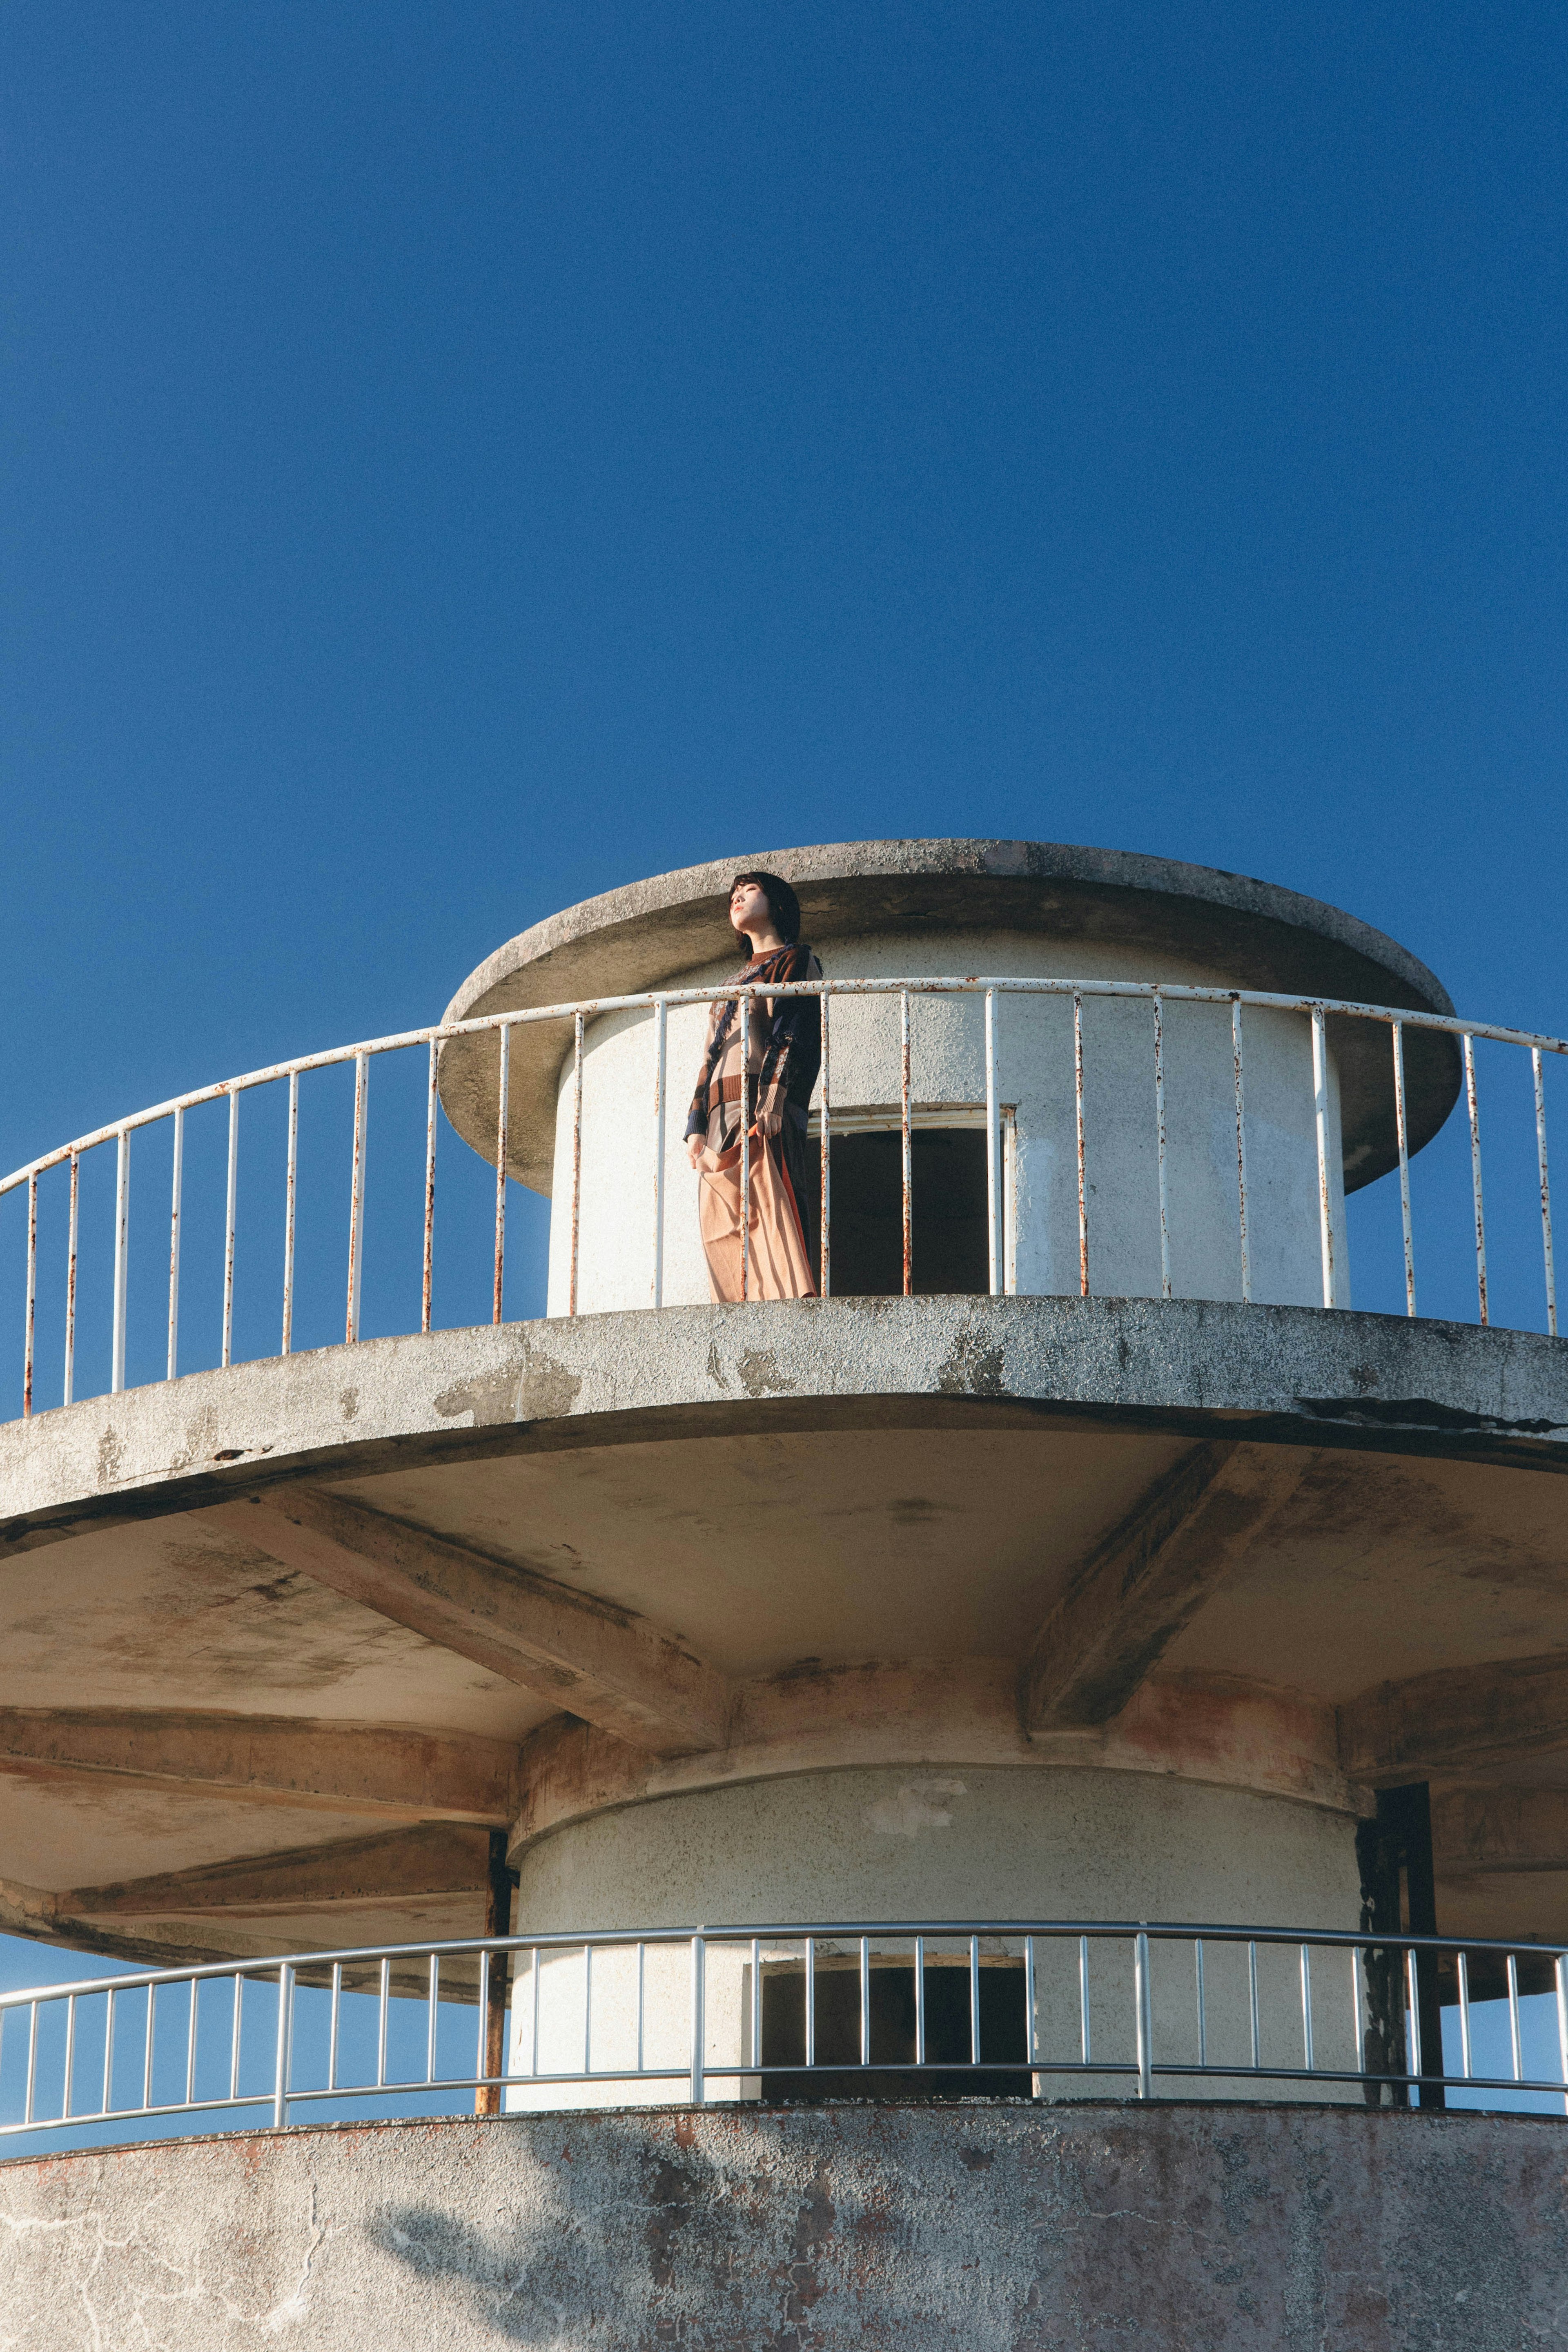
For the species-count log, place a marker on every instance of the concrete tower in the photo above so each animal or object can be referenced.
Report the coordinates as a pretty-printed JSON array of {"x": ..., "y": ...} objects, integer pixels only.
[{"x": 1082, "y": 1578}]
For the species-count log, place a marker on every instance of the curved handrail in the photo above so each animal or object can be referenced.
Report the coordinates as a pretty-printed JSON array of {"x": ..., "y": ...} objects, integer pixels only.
[
  {"x": 1317, "y": 1010},
  {"x": 1384, "y": 2039}
]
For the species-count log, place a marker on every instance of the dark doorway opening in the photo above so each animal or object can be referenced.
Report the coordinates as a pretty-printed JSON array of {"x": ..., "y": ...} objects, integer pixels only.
[
  {"x": 951, "y": 1250},
  {"x": 949, "y": 2049}
]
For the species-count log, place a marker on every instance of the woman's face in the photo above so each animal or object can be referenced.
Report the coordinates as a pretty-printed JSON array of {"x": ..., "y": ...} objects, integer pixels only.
[{"x": 749, "y": 908}]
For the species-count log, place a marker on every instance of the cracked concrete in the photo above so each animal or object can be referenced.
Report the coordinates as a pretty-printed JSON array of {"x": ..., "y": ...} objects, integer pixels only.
[{"x": 996, "y": 2226}]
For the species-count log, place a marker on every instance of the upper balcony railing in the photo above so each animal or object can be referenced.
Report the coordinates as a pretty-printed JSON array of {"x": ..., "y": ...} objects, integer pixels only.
[{"x": 140, "y": 1316}]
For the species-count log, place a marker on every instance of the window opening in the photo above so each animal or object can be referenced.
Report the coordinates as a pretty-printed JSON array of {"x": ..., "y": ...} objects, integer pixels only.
[{"x": 950, "y": 1252}]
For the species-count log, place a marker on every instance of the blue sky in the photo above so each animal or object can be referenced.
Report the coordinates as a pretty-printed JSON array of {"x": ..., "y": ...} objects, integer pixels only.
[{"x": 459, "y": 459}]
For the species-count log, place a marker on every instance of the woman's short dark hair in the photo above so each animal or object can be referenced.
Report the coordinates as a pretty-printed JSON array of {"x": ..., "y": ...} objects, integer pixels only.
[{"x": 782, "y": 904}]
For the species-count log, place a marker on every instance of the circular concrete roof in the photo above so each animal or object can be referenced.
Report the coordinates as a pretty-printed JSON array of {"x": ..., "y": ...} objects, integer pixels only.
[{"x": 1261, "y": 936}]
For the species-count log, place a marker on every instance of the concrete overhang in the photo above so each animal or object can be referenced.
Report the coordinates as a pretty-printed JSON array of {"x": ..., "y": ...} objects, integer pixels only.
[{"x": 1259, "y": 936}]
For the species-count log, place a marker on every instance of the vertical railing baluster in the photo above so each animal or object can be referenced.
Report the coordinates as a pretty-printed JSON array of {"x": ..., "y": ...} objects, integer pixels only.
[
  {"x": 121, "y": 1253},
  {"x": 1307, "y": 2059},
  {"x": 147, "y": 2054},
  {"x": 1240, "y": 1149},
  {"x": 1515, "y": 2040},
  {"x": 993, "y": 1153},
  {"x": 699, "y": 2020},
  {"x": 1413, "y": 1996},
  {"x": 587, "y": 2009},
  {"x": 1202, "y": 2010},
  {"x": 811, "y": 2000},
  {"x": 1031, "y": 2000},
  {"x": 231, "y": 1197},
  {"x": 1560, "y": 1986},
  {"x": 32, "y": 2061},
  {"x": 334, "y": 2005},
  {"x": 109, "y": 2055},
  {"x": 1077, "y": 1109},
  {"x": 1545, "y": 1190},
  {"x": 576, "y": 1159},
  {"x": 1402, "y": 1132},
  {"x": 70, "y": 1280},
  {"x": 29, "y": 1320},
  {"x": 176, "y": 1197},
  {"x": 825, "y": 1231},
  {"x": 974, "y": 2000},
  {"x": 864, "y": 2001},
  {"x": 234, "y": 2036},
  {"x": 356, "y": 1198},
  {"x": 432, "y": 2015},
  {"x": 427, "y": 1260},
  {"x": 1083, "y": 2022},
  {"x": 1160, "y": 1145},
  {"x": 906, "y": 1142},
  {"x": 920, "y": 2000},
  {"x": 1252, "y": 2004},
  {"x": 1321, "y": 1125},
  {"x": 1462, "y": 1971},
  {"x": 1474, "y": 1110},
  {"x": 280, "y": 2060},
  {"x": 745, "y": 1147},
  {"x": 70, "y": 2053},
  {"x": 660, "y": 1012},
  {"x": 290, "y": 1191},
  {"x": 754, "y": 2037},
  {"x": 642, "y": 2001},
  {"x": 382, "y": 2019},
  {"x": 1145, "y": 2016},
  {"x": 503, "y": 1138},
  {"x": 481, "y": 2051},
  {"x": 191, "y": 2044}
]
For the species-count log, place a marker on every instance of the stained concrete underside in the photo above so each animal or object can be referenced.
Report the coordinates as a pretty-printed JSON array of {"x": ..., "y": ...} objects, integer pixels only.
[
  {"x": 831, "y": 1533},
  {"x": 997, "y": 2227}
]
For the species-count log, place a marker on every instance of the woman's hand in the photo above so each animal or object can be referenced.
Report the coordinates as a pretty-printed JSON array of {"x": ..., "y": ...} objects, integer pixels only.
[
  {"x": 768, "y": 1123},
  {"x": 696, "y": 1151}
]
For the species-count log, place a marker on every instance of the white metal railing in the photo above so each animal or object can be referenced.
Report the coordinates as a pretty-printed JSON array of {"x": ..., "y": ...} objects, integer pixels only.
[
  {"x": 67, "y": 1159},
  {"x": 995, "y": 2007}
]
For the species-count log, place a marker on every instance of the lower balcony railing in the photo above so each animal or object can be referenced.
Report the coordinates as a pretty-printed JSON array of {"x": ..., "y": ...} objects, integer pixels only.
[{"x": 941, "y": 2008}]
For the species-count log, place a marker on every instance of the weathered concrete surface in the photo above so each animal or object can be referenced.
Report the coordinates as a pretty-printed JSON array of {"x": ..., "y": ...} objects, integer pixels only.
[
  {"x": 1297, "y": 1375},
  {"x": 1170, "y": 914},
  {"x": 996, "y": 2229}
]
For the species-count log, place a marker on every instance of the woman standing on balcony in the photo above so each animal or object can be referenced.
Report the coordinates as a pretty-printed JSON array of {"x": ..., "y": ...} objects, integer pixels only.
[{"x": 770, "y": 1094}]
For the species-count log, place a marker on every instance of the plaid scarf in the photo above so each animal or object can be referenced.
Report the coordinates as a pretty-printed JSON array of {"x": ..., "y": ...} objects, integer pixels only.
[{"x": 785, "y": 1057}]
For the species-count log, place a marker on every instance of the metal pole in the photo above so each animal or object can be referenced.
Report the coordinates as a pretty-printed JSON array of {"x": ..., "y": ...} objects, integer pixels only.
[
  {"x": 699, "y": 2025},
  {"x": 290, "y": 1189},
  {"x": 1160, "y": 1146},
  {"x": 1145, "y": 2016},
  {"x": 992, "y": 1152},
  {"x": 121, "y": 1239},
  {"x": 427, "y": 1264},
  {"x": 30, "y": 1317},
  {"x": 1240, "y": 1149},
  {"x": 1545, "y": 1193},
  {"x": 175, "y": 1190},
  {"x": 1403, "y": 1131},
  {"x": 1321, "y": 1118},
  {"x": 906, "y": 1139},
  {"x": 503, "y": 1099},
  {"x": 285, "y": 2029},
  {"x": 576, "y": 1159},
  {"x": 70, "y": 1281},
  {"x": 745, "y": 1147},
  {"x": 826, "y": 1228},
  {"x": 356, "y": 1197},
  {"x": 1476, "y": 1175},
  {"x": 1077, "y": 1110},
  {"x": 660, "y": 1014},
  {"x": 230, "y": 1200}
]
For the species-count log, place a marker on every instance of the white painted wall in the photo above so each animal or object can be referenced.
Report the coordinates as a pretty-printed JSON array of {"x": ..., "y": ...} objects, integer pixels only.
[
  {"x": 983, "y": 1842},
  {"x": 1035, "y": 1072}
]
